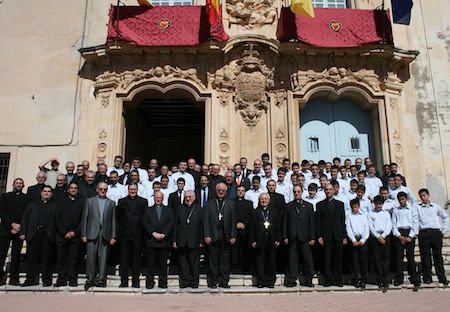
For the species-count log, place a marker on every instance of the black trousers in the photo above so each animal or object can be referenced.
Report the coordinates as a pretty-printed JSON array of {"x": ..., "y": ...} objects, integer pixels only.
[
  {"x": 17, "y": 244},
  {"x": 266, "y": 264},
  {"x": 359, "y": 265},
  {"x": 157, "y": 265},
  {"x": 381, "y": 256},
  {"x": 240, "y": 253},
  {"x": 430, "y": 241},
  {"x": 67, "y": 257},
  {"x": 219, "y": 262},
  {"x": 400, "y": 253},
  {"x": 189, "y": 266},
  {"x": 333, "y": 261},
  {"x": 130, "y": 251},
  {"x": 39, "y": 251},
  {"x": 296, "y": 248}
]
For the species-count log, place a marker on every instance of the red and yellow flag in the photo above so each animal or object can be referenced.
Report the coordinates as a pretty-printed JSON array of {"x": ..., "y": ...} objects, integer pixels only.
[
  {"x": 212, "y": 9},
  {"x": 302, "y": 7},
  {"x": 145, "y": 3}
]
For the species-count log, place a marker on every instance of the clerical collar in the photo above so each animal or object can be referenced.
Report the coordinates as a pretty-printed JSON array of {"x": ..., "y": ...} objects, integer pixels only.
[
  {"x": 44, "y": 201},
  {"x": 240, "y": 198}
]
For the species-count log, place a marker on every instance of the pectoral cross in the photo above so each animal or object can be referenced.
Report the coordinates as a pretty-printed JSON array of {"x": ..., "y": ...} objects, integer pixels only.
[
  {"x": 266, "y": 225},
  {"x": 220, "y": 216}
]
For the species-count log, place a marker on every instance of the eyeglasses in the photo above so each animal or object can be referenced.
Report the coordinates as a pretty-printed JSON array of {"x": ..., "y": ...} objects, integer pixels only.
[{"x": 102, "y": 189}]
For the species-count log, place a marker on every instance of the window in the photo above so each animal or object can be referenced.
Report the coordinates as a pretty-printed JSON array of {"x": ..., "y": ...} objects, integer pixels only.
[
  {"x": 314, "y": 144},
  {"x": 354, "y": 144},
  {"x": 172, "y": 2},
  {"x": 4, "y": 165},
  {"x": 337, "y": 4}
]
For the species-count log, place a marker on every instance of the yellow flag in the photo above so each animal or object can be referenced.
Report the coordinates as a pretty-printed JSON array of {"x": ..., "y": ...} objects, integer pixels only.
[
  {"x": 302, "y": 7},
  {"x": 145, "y": 3}
]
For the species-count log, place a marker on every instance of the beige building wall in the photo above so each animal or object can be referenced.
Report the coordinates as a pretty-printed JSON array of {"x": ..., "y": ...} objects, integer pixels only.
[{"x": 48, "y": 110}]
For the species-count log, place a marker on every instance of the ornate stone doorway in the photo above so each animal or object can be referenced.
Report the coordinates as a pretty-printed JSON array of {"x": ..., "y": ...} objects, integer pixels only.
[{"x": 168, "y": 127}]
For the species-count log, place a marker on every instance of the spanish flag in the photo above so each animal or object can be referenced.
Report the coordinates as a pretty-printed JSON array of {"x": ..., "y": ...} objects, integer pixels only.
[
  {"x": 302, "y": 7},
  {"x": 145, "y": 3},
  {"x": 212, "y": 9}
]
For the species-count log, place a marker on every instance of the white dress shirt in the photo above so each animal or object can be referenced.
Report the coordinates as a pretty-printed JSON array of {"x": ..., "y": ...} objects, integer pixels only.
[
  {"x": 380, "y": 223},
  {"x": 429, "y": 217},
  {"x": 253, "y": 196},
  {"x": 357, "y": 224},
  {"x": 405, "y": 218}
]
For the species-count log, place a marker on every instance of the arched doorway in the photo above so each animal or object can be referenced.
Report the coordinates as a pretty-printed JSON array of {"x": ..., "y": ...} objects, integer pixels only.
[
  {"x": 335, "y": 129},
  {"x": 168, "y": 127}
]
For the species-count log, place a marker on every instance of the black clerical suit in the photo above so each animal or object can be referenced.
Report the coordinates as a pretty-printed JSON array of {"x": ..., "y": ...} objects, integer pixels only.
[
  {"x": 68, "y": 219},
  {"x": 330, "y": 225},
  {"x": 265, "y": 231},
  {"x": 240, "y": 252},
  {"x": 159, "y": 219},
  {"x": 278, "y": 203},
  {"x": 87, "y": 191},
  {"x": 219, "y": 223},
  {"x": 188, "y": 236},
  {"x": 299, "y": 228},
  {"x": 34, "y": 192},
  {"x": 12, "y": 207},
  {"x": 175, "y": 199},
  {"x": 130, "y": 212},
  {"x": 39, "y": 227}
]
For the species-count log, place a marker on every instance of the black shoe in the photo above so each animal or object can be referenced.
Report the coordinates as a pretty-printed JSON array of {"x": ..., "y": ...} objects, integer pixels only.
[
  {"x": 398, "y": 283},
  {"x": 183, "y": 286},
  {"x": 101, "y": 284},
  {"x": 445, "y": 283},
  {"x": 135, "y": 285},
  {"x": 123, "y": 285},
  {"x": 362, "y": 285},
  {"x": 212, "y": 286},
  {"x": 2, "y": 283},
  {"x": 339, "y": 284},
  {"x": 194, "y": 286},
  {"x": 29, "y": 283},
  {"x": 47, "y": 284},
  {"x": 260, "y": 286},
  {"x": 357, "y": 284},
  {"x": 224, "y": 286},
  {"x": 14, "y": 283},
  {"x": 291, "y": 284},
  {"x": 428, "y": 282},
  {"x": 162, "y": 286},
  {"x": 73, "y": 284},
  {"x": 327, "y": 285},
  {"x": 271, "y": 286},
  {"x": 308, "y": 284},
  {"x": 59, "y": 284}
]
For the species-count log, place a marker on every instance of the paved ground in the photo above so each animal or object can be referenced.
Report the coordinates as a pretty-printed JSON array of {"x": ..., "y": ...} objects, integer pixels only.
[{"x": 405, "y": 300}]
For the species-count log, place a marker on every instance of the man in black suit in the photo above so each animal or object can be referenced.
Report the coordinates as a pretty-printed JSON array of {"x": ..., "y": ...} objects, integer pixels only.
[
  {"x": 265, "y": 237},
  {"x": 12, "y": 206},
  {"x": 158, "y": 224},
  {"x": 38, "y": 228},
  {"x": 68, "y": 223},
  {"x": 331, "y": 233},
  {"x": 130, "y": 211},
  {"x": 219, "y": 225},
  {"x": 34, "y": 191},
  {"x": 243, "y": 208},
  {"x": 299, "y": 234},
  {"x": 88, "y": 188},
  {"x": 60, "y": 190},
  {"x": 245, "y": 171},
  {"x": 204, "y": 193},
  {"x": 177, "y": 198},
  {"x": 98, "y": 231},
  {"x": 188, "y": 239}
]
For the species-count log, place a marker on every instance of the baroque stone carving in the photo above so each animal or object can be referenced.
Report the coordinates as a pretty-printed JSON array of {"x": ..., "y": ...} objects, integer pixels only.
[
  {"x": 224, "y": 134},
  {"x": 105, "y": 100},
  {"x": 338, "y": 76},
  {"x": 393, "y": 102},
  {"x": 224, "y": 162},
  {"x": 280, "y": 134},
  {"x": 251, "y": 13},
  {"x": 224, "y": 147},
  {"x": 280, "y": 97},
  {"x": 249, "y": 78},
  {"x": 103, "y": 134},
  {"x": 159, "y": 74}
]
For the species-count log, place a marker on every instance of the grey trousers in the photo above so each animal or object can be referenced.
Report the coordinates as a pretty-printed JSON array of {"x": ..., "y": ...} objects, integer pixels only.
[{"x": 97, "y": 253}]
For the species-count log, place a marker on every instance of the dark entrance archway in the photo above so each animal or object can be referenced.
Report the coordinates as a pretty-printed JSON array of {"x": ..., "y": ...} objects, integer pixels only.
[{"x": 168, "y": 127}]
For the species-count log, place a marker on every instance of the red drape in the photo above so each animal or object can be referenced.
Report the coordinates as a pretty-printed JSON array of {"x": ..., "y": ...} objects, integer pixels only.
[
  {"x": 163, "y": 26},
  {"x": 352, "y": 28}
]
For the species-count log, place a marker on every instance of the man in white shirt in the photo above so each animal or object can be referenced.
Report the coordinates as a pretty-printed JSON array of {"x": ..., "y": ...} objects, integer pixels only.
[
  {"x": 116, "y": 190},
  {"x": 283, "y": 187},
  {"x": 268, "y": 175},
  {"x": 116, "y": 167},
  {"x": 136, "y": 166},
  {"x": 253, "y": 193},
  {"x": 372, "y": 182},
  {"x": 182, "y": 173}
]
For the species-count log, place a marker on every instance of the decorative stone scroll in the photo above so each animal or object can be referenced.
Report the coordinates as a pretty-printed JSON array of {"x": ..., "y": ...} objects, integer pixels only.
[
  {"x": 249, "y": 79},
  {"x": 251, "y": 14},
  {"x": 159, "y": 74},
  {"x": 338, "y": 76}
]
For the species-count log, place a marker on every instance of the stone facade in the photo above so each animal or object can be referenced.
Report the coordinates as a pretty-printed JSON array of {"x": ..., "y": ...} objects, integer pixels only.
[{"x": 64, "y": 90}]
